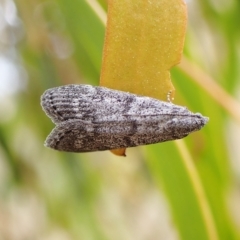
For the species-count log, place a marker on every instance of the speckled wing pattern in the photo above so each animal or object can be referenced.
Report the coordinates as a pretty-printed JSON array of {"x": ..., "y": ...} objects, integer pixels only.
[{"x": 92, "y": 118}]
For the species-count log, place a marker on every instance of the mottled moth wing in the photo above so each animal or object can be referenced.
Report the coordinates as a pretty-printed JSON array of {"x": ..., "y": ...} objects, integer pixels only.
[
  {"x": 88, "y": 103},
  {"x": 80, "y": 136}
]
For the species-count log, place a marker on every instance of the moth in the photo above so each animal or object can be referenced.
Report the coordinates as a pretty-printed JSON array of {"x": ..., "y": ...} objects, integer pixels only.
[{"x": 92, "y": 118}]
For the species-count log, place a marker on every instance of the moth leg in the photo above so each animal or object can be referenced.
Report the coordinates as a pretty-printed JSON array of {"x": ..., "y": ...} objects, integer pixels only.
[{"x": 169, "y": 96}]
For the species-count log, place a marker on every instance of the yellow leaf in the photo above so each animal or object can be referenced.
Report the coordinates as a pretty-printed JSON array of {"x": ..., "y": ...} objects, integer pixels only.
[
  {"x": 144, "y": 39},
  {"x": 119, "y": 152}
]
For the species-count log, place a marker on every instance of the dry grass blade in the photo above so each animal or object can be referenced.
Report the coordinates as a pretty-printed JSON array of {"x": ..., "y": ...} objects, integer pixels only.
[{"x": 211, "y": 87}]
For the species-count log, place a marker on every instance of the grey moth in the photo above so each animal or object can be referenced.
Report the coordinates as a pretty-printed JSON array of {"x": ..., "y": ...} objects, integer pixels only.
[{"x": 92, "y": 118}]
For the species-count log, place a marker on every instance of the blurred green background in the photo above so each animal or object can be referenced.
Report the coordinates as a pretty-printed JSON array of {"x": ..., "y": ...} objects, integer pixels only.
[{"x": 187, "y": 189}]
